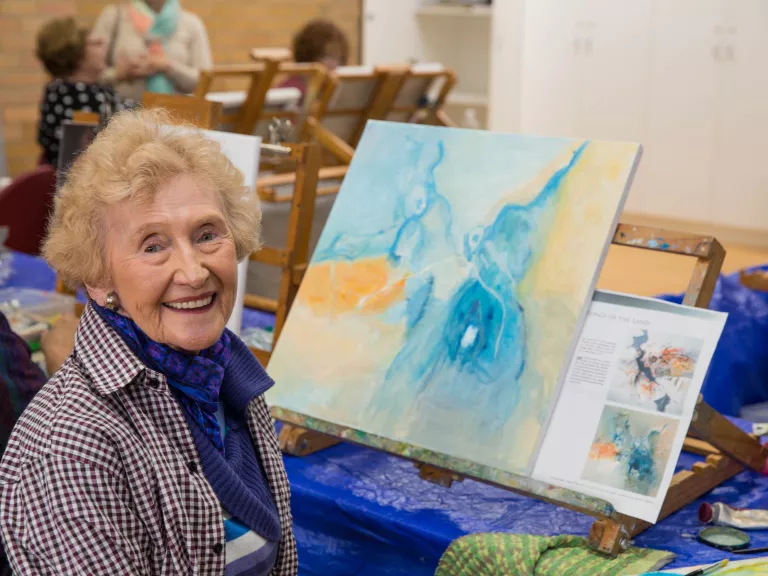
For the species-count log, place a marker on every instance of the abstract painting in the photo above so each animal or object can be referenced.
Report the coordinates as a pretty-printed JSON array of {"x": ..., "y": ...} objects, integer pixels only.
[
  {"x": 655, "y": 371},
  {"x": 630, "y": 450},
  {"x": 448, "y": 287}
]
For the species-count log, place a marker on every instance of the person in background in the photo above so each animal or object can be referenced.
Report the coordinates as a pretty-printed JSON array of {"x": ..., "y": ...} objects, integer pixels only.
[
  {"x": 153, "y": 46},
  {"x": 318, "y": 41},
  {"x": 152, "y": 450},
  {"x": 75, "y": 59},
  {"x": 21, "y": 378}
]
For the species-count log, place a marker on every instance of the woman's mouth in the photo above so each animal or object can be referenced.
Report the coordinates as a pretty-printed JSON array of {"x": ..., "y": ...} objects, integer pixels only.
[{"x": 195, "y": 304}]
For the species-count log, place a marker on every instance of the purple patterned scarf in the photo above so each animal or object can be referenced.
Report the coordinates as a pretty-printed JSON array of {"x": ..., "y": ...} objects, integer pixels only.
[{"x": 195, "y": 379}]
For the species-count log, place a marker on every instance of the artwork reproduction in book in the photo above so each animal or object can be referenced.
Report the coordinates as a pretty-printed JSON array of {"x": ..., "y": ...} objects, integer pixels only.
[{"x": 627, "y": 401}]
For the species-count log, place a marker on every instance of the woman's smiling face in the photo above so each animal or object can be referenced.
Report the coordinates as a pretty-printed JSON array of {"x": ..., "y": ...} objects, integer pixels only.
[{"x": 173, "y": 264}]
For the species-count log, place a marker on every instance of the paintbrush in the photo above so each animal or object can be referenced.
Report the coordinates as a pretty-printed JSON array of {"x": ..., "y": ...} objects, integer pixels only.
[{"x": 708, "y": 569}]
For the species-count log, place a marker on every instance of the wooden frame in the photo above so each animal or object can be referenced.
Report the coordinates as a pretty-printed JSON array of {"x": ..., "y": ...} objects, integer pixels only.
[
  {"x": 292, "y": 259},
  {"x": 727, "y": 448},
  {"x": 376, "y": 88},
  {"x": 412, "y": 101},
  {"x": 319, "y": 89},
  {"x": 190, "y": 109},
  {"x": 259, "y": 77}
]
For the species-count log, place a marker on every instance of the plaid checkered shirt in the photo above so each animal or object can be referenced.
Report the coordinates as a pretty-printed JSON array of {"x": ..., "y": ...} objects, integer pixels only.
[{"x": 101, "y": 474}]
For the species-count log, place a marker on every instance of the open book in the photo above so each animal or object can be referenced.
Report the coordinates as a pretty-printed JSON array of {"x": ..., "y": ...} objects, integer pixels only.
[{"x": 627, "y": 400}]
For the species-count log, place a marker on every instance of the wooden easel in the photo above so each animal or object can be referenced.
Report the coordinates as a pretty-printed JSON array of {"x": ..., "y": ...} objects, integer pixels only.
[{"x": 727, "y": 448}]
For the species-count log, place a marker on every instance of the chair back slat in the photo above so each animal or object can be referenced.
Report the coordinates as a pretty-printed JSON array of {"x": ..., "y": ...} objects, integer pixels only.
[{"x": 197, "y": 111}]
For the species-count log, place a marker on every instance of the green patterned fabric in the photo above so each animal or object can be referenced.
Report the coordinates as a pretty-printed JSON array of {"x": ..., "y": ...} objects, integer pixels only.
[{"x": 521, "y": 555}]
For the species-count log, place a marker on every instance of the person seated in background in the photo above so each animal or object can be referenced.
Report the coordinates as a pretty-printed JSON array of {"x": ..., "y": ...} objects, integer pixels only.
[
  {"x": 21, "y": 378},
  {"x": 153, "y": 46},
  {"x": 318, "y": 41},
  {"x": 75, "y": 59},
  {"x": 152, "y": 450}
]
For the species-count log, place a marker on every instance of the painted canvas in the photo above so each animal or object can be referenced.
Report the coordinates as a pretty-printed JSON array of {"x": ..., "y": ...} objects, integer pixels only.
[
  {"x": 630, "y": 450},
  {"x": 447, "y": 289},
  {"x": 655, "y": 371}
]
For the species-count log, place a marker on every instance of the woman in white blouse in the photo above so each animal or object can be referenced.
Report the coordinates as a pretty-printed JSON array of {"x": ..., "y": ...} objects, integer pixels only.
[{"x": 152, "y": 46}]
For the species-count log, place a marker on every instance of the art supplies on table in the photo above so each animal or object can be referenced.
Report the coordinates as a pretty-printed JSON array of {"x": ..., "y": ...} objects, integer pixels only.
[
  {"x": 32, "y": 312},
  {"x": 723, "y": 515},
  {"x": 628, "y": 399},
  {"x": 752, "y": 567}
]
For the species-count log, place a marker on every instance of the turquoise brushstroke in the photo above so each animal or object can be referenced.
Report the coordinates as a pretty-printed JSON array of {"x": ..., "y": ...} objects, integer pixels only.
[{"x": 470, "y": 349}]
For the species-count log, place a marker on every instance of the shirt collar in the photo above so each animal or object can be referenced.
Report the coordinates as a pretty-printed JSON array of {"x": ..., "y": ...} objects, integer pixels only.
[{"x": 106, "y": 358}]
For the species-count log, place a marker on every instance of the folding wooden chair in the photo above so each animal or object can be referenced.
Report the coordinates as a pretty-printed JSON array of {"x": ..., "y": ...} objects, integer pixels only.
[
  {"x": 259, "y": 77},
  {"x": 319, "y": 89},
  {"x": 361, "y": 93},
  {"x": 197, "y": 111},
  {"x": 352, "y": 96},
  {"x": 421, "y": 95},
  {"x": 85, "y": 117},
  {"x": 294, "y": 257}
]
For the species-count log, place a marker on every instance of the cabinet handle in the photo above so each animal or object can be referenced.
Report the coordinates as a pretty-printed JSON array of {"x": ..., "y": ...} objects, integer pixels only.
[
  {"x": 577, "y": 43},
  {"x": 730, "y": 53},
  {"x": 717, "y": 52}
]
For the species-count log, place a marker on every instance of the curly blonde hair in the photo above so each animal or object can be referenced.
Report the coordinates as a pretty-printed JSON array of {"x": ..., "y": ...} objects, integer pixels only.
[{"x": 135, "y": 155}]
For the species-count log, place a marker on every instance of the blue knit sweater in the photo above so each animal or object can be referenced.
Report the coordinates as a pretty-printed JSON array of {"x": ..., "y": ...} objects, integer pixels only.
[{"x": 237, "y": 477}]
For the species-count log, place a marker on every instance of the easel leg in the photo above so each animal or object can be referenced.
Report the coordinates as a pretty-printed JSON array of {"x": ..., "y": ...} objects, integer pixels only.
[
  {"x": 438, "y": 476},
  {"x": 302, "y": 442},
  {"x": 613, "y": 537}
]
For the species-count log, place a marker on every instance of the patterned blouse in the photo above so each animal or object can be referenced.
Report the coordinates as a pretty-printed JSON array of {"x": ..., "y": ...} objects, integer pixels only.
[
  {"x": 101, "y": 474},
  {"x": 61, "y": 99}
]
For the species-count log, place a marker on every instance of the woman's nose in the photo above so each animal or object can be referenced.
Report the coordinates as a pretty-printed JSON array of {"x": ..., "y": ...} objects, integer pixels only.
[{"x": 191, "y": 271}]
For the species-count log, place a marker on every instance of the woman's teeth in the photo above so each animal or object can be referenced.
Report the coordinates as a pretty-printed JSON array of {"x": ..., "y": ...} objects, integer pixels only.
[{"x": 191, "y": 304}]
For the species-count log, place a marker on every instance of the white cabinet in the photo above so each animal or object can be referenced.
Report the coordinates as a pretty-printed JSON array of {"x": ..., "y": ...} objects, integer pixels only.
[
  {"x": 686, "y": 78},
  {"x": 390, "y": 32},
  {"x": 677, "y": 168},
  {"x": 550, "y": 102},
  {"x": 740, "y": 164},
  {"x": 586, "y": 71},
  {"x": 459, "y": 37}
]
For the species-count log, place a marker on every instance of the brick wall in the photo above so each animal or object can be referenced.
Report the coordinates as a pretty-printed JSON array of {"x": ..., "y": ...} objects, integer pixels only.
[{"x": 234, "y": 27}]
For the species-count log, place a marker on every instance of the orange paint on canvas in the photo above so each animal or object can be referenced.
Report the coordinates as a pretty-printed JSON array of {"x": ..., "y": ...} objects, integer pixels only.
[
  {"x": 603, "y": 451},
  {"x": 338, "y": 287}
]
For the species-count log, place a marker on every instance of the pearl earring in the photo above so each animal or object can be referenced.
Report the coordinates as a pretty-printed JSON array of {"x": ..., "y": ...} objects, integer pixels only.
[{"x": 111, "y": 302}]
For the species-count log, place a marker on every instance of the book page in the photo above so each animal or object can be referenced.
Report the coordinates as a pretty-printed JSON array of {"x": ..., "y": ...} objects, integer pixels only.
[{"x": 627, "y": 400}]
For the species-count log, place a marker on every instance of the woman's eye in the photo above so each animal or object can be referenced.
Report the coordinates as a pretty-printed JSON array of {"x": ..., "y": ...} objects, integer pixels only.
[
  {"x": 152, "y": 249},
  {"x": 207, "y": 237}
]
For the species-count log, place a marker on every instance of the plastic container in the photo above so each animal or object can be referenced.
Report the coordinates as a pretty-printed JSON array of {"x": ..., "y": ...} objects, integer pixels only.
[{"x": 43, "y": 305}]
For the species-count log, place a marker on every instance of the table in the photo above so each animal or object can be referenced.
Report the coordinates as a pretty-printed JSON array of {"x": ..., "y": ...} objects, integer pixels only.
[
  {"x": 32, "y": 272},
  {"x": 357, "y": 511}
]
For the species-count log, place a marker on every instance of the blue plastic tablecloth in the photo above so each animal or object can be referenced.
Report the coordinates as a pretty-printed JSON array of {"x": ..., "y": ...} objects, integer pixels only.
[{"x": 360, "y": 512}]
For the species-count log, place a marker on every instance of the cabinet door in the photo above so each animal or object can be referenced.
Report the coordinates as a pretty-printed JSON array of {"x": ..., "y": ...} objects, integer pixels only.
[
  {"x": 390, "y": 32},
  {"x": 676, "y": 169},
  {"x": 614, "y": 76},
  {"x": 550, "y": 69},
  {"x": 616, "y": 39},
  {"x": 740, "y": 164},
  {"x": 505, "y": 66}
]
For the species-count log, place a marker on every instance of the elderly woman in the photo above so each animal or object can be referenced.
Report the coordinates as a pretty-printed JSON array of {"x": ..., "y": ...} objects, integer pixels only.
[
  {"x": 152, "y": 46},
  {"x": 75, "y": 59},
  {"x": 151, "y": 451}
]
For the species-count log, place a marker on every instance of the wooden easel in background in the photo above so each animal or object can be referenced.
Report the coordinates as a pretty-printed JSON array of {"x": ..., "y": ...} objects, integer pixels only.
[{"x": 727, "y": 448}]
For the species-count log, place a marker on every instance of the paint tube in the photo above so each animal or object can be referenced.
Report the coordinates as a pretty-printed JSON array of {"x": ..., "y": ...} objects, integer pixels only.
[{"x": 723, "y": 515}]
